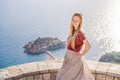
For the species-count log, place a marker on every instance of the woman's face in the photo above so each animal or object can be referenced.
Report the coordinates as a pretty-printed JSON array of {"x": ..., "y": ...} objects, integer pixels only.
[{"x": 76, "y": 21}]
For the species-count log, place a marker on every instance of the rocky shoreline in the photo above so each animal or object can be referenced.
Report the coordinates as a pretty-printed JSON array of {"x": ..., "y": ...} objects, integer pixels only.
[{"x": 41, "y": 45}]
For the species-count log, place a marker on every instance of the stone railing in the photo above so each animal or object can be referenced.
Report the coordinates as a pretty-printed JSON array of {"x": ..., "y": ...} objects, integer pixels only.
[{"x": 47, "y": 70}]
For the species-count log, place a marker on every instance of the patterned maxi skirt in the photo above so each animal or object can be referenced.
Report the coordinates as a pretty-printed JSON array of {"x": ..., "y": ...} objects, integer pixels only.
[{"x": 74, "y": 68}]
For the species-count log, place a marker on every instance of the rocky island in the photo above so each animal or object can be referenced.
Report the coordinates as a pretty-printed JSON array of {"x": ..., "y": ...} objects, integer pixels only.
[
  {"x": 41, "y": 45},
  {"x": 113, "y": 57}
]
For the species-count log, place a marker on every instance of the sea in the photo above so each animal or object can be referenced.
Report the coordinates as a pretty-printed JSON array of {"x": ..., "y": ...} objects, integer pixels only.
[{"x": 22, "y": 21}]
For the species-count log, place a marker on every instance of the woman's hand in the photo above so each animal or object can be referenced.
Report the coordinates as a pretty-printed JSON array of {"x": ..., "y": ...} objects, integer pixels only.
[{"x": 77, "y": 54}]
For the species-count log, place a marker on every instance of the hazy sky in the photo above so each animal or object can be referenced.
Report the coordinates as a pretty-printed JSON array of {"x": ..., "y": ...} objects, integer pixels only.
[
  {"x": 43, "y": 13},
  {"x": 38, "y": 15}
]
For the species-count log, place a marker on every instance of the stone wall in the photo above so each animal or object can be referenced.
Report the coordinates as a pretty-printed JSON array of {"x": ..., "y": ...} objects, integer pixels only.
[{"x": 47, "y": 70}]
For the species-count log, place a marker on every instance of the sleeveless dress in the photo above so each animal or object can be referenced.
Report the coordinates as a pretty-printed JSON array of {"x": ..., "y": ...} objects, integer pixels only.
[{"x": 74, "y": 68}]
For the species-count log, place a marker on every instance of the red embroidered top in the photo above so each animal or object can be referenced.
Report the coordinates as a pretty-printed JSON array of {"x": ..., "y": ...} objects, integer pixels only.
[{"x": 78, "y": 42}]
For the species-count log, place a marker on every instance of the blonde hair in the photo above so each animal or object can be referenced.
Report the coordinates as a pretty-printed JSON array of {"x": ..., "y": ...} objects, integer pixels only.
[{"x": 73, "y": 32}]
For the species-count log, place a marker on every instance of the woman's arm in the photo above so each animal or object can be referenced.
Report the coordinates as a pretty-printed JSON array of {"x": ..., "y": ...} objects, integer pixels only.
[{"x": 86, "y": 48}]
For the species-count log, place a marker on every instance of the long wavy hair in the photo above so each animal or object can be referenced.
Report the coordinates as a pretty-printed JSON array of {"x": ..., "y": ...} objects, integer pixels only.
[{"x": 73, "y": 32}]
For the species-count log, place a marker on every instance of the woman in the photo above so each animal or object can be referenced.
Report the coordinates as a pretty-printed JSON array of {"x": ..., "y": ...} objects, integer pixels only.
[{"x": 74, "y": 66}]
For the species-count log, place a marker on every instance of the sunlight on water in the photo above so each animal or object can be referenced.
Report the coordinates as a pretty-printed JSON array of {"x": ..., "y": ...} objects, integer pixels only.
[
  {"x": 115, "y": 24},
  {"x": 106, "y": 28}
]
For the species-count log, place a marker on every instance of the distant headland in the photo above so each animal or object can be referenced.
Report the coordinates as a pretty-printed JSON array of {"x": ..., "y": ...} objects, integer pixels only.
[
  {"x": 113, "y": 57},
  {"x": 41, "y": 45}
]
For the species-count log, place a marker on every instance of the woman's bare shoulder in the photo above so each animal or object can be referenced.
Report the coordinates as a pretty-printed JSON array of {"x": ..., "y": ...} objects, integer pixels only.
[{"x": 82, "y": 32}]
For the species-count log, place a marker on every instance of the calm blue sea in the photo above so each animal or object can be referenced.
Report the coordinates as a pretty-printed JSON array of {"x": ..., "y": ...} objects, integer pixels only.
[{"x": 22, "y": 21}]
